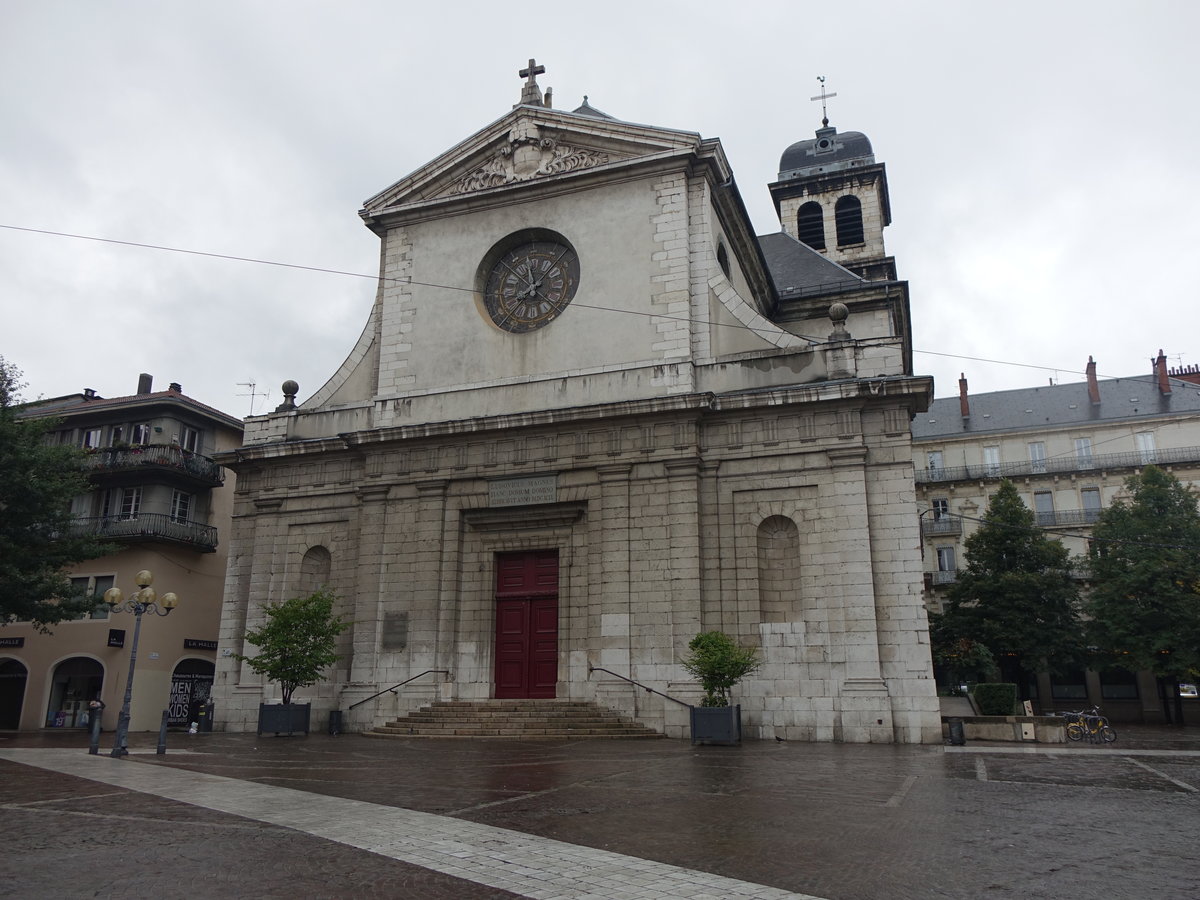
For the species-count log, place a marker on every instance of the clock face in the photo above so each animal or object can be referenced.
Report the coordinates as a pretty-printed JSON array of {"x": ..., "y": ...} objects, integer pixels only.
[{"x": 531, "y": 284}]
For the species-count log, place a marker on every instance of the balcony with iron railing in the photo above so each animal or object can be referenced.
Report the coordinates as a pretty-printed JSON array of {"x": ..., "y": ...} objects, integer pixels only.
[
  {"x": 943, "y": 524},
  {"x": 161, "y": 459},
  {"x": 149, "y": 527},
  {"x": 1068, "y": 517},
  {"x": 942, "y": 577},
  {"x": 1060, "y": 464}
]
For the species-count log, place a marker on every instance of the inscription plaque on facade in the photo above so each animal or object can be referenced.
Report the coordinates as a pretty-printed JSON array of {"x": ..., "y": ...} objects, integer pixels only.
[
  {"x": 198, "y": 644},
  {"x": 12, "y": 642},
  {"x": 523, "y": 491},
  {"x": 395, "y": 631}
]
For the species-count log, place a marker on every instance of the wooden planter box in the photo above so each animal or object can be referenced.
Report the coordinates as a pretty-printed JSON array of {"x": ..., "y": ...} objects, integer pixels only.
[
  {"x": 716, "y": 725},
  {"x": 278, "y": 718}
]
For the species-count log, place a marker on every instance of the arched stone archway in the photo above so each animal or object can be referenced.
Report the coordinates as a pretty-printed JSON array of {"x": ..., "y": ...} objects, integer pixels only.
[
  {"x": 13, "y": 678},
  {"x": 75, "y": 681},
  {"x": 191, "y": 686}
]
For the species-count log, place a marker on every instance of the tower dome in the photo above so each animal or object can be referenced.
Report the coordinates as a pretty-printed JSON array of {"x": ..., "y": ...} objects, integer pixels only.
[{"x": 827, "y": 152}]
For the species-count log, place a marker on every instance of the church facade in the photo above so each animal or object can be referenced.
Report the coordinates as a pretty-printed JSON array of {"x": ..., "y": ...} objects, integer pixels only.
[{"x": 591, "y": 415}]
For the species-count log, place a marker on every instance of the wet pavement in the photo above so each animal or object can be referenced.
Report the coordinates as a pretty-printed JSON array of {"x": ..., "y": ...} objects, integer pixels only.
[{"x": 334, "y": 817}]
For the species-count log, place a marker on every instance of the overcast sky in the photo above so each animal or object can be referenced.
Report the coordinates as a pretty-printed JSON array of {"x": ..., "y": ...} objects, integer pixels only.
[{"x": 1041, "y": 159}]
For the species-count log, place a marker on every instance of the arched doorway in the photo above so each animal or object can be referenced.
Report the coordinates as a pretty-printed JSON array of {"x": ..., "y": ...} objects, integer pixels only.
[
  {"x": 191, "y": 685},
  {"x": 76, "y": 681},
  {"x": 13, "y": 676}
]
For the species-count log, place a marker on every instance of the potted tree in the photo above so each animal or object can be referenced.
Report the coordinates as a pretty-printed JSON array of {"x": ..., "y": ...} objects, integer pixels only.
[
  {"x": 718, "y": 663},
  {"x": 296, "y": 644}
]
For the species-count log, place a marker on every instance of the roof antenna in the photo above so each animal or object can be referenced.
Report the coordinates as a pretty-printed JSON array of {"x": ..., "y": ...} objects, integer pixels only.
[
  {"x": 822, "y": 97},
  {"x": 252, "y": 394}
]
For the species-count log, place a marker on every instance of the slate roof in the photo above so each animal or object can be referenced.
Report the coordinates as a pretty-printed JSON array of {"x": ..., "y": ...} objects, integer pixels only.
[
  {"x": 1055, "y": 406},
  {"x": 799, "y": 270},
  {"x": 77, "y": 404},
  {"x": 806, "y": 158}
]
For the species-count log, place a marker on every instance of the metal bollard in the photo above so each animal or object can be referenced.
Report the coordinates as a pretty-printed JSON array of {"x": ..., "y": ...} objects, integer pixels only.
[{"x": 162, "y": 734}]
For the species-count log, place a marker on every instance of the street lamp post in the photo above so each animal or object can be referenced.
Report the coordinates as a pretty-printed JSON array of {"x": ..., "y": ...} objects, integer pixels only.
[{"x": 142, "y": 601}]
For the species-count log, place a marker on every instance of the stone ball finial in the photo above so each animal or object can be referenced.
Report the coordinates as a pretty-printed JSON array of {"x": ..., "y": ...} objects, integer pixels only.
[
  {"x": 290, "y": 390},
  {"x": 838, "y": 313}
]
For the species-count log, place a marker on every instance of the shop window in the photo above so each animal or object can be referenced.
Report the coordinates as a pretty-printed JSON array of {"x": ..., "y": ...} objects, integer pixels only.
[
  {"x": 1118, "y": 684},
  {"x": 1068, "y": 686}
]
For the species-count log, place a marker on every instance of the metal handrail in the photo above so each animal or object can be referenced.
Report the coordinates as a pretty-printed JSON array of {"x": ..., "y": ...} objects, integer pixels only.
[
  {"x": 651, "y": 690},
  {"x": 392, "y": 689}
]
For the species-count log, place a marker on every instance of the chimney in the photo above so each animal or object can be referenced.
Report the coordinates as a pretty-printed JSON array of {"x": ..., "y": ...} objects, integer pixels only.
[
  {"x": 1160, "y": 369},
  {"x": 1093, "y": 387},
  {"x": 176, "y": 387},
  {"x": 145, "y": 383},
  {"x": 89, "y": 393},
  {"x": 964, "y": 404}
]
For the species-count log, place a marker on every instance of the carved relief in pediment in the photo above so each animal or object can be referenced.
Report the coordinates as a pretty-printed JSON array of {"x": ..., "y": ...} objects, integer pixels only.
[{"x": 527, "y": 155}]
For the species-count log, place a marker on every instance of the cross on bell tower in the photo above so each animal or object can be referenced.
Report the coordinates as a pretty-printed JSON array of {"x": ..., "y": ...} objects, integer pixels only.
[{"x": 531, "y": 94}]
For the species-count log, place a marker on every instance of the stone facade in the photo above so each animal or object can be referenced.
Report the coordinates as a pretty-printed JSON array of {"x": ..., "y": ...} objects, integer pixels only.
[{"x": 692, "y": 463}]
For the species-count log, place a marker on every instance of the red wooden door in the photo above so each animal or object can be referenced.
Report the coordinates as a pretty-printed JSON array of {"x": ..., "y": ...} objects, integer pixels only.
[{"x": 527, "y": 624}]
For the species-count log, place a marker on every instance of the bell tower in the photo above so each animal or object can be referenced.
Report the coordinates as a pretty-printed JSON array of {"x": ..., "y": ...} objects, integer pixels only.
[{"x": 832, "y": 195}]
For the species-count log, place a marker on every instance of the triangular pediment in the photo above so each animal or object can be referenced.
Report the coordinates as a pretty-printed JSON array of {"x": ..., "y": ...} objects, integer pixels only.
[{"x": 529, "y": 145}]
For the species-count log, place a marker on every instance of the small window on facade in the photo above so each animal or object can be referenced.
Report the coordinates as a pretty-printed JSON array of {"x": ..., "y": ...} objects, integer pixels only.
[
  {"x": 131, "y": 502},
  {"x": 91, "y": 438},
  {"x": 1145, "y": 445},
  {"x": 848, "y": 215},
  {"x": 1091, "y": 504},
  {"x": 945, "y": 556},
  {"x": 941, "y": 508},
  {"x": 723, "y": 259},
  {"x": 140, "y": 434},
  {"x": 991, "y": 460},
  {"x": 1043, "y": 507},
  {"x": 810, "y": 225},
  {"x": 191, "y": 439},
  {"x": 933, "y": 460},
  {"x": 1037, "y": 457},
  {"x": 92, "y": 586},
  {"x": 116, "y": 436},
  {"x": 181, "y": 507},
  {"x": 1083, "y": 453}
]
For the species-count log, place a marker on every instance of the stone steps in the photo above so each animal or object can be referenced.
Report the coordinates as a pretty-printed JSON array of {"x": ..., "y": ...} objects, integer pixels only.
[{"x": 546, "y": 720}]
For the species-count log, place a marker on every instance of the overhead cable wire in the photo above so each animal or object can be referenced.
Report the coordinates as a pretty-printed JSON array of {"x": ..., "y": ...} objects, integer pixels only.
[{"x": 1149, "y": 379}]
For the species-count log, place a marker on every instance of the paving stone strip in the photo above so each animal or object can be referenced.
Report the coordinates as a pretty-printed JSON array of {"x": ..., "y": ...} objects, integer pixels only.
[{"x": 524, "y": 864}]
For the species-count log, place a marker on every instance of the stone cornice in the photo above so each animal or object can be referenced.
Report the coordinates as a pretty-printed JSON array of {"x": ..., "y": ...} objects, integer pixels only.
[{"x": 915, "y": 392}]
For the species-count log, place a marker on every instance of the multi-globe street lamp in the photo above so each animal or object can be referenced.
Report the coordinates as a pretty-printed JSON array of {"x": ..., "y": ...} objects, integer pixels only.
[{"x": 142, "y": 601}]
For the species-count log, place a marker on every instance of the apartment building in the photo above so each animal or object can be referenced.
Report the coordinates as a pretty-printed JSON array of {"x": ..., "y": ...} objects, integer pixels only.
[{"x": 156, "y": 494}]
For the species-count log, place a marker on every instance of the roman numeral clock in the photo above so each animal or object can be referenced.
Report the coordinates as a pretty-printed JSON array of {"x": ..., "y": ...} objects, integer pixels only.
[{"x": 530, "y": 283}]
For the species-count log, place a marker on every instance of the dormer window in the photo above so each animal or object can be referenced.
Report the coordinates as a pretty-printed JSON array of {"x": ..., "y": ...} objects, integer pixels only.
[
  {"x": 810, "y": 225},
  {"x": 848, "y": 215}
]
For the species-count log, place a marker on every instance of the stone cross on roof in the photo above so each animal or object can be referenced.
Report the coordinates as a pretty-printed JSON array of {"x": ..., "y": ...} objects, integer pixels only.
[{"x": 531, "y": 94}]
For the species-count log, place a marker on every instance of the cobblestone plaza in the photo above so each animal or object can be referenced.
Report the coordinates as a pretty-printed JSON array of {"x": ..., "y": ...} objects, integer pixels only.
[{"x": 332, "y": 817}]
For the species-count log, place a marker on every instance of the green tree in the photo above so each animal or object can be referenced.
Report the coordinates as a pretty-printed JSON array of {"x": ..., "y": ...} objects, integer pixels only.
[
  {"x": 1016, "y": 595},
  {"x": 37, "y": 483},
  {"x": 1144, "y": 606},
  {"x": 718, "y": 664},
  {"x": 297, "y": 641}
]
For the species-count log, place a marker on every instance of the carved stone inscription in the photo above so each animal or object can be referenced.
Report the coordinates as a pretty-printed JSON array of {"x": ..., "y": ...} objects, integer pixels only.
[{"x": 523, "y": 491}]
